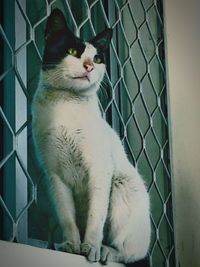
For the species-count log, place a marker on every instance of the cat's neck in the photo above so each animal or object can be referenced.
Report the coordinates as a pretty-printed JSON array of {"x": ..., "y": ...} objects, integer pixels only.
[
  {"x": 55, "y": 92},
  {"x": 51, "y": 95}
]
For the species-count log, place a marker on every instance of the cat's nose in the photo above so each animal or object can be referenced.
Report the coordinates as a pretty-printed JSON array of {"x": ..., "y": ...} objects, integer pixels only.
[{"x": 88, "y": 67}]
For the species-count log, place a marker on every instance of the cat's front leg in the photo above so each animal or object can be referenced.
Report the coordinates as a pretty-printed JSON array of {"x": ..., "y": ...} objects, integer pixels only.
[
  {"x": 98, "y": 208},
  {"x": 62, "y": 202}
]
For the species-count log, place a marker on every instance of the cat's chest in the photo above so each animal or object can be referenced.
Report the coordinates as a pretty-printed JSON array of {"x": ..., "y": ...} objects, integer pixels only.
[
  {"x": 69, "y": 155},
  {"x": 75, "y": 137},
  {"x": 68, "y": 114}
]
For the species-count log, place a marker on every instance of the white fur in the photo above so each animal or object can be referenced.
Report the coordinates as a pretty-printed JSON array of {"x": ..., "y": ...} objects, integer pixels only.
[
  {"x": 85, "y": 163},
  {"x": 72, "y": 67}
]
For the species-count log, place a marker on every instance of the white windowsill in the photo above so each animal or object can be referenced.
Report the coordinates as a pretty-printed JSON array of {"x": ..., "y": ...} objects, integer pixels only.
[{"x": 12, "y": 255}]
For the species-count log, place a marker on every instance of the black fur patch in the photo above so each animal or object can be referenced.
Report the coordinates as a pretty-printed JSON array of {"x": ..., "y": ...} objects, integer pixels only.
[
  {"x": 59, "y": 39},
  {"x": 56, "y": 48}
]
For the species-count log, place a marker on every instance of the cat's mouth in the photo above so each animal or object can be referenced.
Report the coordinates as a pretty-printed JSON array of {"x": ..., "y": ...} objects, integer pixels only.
[{"x": 83, "y": 77}]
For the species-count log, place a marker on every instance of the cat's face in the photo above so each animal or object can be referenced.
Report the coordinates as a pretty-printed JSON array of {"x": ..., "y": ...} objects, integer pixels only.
[{"x": 70, "y": 63}]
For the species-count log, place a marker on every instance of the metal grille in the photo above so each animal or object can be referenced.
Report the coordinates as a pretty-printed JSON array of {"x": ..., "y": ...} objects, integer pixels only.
[{"x": 132, "y": 98}]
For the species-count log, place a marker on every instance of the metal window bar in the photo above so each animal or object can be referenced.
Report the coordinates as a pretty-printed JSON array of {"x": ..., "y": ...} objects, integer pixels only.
[
  {"x": 13, "y": 114},
  {"x": 132, "y": 99}
]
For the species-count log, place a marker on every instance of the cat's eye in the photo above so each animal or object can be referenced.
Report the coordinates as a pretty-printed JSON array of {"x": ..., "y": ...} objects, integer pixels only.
[
  {"x": 97, "y": 59},
  {"x": 72, "y": 51}
]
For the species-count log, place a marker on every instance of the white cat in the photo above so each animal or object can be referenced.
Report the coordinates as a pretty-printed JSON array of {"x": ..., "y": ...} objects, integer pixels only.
[{"x": 98, "y": 198}]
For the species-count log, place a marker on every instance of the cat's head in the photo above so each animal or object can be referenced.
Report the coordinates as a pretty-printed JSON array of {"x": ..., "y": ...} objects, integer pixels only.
[{"x": 69, "y": 62}]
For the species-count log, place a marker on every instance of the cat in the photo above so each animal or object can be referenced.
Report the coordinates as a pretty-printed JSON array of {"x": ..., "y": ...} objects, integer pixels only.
[{"x": 97, "y": 197}]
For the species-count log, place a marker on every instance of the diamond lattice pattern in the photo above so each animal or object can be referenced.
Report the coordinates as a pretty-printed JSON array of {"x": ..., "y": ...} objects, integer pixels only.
[{"x": 132, "y": 99}]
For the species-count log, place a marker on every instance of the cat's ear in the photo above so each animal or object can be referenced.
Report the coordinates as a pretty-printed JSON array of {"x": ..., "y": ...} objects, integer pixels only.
[
  {"x": 102, "y": 40},
  {"x": 55, "y": 23}
]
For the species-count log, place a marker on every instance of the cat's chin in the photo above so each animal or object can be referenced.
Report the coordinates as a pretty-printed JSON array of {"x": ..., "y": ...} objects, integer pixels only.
[
  {"x": 84, "y": 85},
  {"x": 89, "y": 90}
]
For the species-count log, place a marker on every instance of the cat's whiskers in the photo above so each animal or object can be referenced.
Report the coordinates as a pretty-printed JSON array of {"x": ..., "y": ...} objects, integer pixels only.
[{"x": 103, "y": 85}]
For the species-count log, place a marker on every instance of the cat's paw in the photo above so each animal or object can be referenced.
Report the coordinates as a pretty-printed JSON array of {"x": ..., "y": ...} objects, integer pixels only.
[
  {"x": 91, "y": 252},
  {"x": 69, "y": 247},
  {"x": 106, "y": 255}
]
